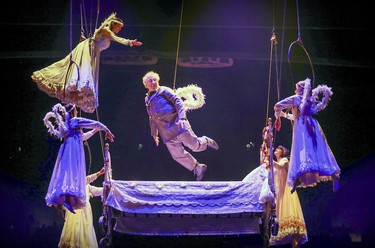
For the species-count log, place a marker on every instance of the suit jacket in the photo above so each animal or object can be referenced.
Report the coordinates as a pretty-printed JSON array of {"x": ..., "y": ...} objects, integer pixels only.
[{"x": 165, "y": 109}]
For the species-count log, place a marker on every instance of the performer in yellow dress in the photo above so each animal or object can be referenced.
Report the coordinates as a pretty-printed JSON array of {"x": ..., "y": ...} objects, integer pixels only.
[
  {"x": 292, "y": 227},
  {"x": 78, "y": 230},
  {"x": 74, "y": 79}
]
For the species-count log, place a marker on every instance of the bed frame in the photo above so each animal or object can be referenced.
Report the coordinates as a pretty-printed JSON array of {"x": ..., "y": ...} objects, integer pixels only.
[{"x": 177, "y": 208}]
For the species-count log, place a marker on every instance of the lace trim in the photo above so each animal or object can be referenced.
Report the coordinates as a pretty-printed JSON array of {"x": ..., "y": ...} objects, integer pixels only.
[{"x": 290, "y": 229}]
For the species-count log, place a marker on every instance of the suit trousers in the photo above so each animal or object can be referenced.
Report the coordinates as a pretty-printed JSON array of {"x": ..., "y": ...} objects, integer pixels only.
[{"x": 176, "y": 148}]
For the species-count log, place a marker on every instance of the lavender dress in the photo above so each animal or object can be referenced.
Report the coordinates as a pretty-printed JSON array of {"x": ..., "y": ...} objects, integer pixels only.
[
  {"x": 311, "y": 158},
  {"x": 69, "y": 174}
]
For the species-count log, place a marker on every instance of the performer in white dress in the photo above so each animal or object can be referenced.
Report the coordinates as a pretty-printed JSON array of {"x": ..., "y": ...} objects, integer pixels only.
[{"x": 78, "y": 230}]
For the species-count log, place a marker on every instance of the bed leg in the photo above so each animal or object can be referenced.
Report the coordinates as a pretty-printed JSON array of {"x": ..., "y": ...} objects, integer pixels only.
[
  {"x": 105, "y": 221},
  {"x": 265, "y": 226}
]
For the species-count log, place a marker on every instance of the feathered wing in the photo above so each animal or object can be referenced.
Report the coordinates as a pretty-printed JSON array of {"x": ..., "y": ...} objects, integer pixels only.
[
  {"x": 56, "y": 128},
  {"x": 192, "y": 96},
  {"x": 326, "y": 92}
]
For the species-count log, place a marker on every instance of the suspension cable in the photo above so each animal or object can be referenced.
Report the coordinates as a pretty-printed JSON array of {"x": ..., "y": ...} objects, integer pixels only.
[
  {"x": 97, "y": 14},
  {"x": 88, "y": 36},
  {"x": 281, "y": 52},
  {"x": 97, "y": 111},
  {"x": 273, "y": 45},
  {"x": 275, "y": 42},
  {"x": 90, "y": 23},
  {"x": 299, "y": 43},
  {"x": 71, "y": 62},
  {"x": 84, "y": 36},
  {"x": 178, "y": 46},
  {"x": 70, "y": 27},
  {"x": 273, "y": 38},
  {"x": 83, "y": 20},
  {"x": 100, "y": 133}
]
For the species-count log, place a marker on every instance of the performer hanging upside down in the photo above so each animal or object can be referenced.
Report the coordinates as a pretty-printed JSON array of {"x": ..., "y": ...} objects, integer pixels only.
[
  {"x": 311, "y": 159},
  {"x": 68, "y": 185},
  {"x": 168, "y": 119},
  {"x": 74, "y": 79}
]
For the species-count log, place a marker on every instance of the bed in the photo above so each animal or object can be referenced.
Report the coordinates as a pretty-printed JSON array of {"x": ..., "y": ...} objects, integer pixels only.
[{"x": 177, "y": 208}]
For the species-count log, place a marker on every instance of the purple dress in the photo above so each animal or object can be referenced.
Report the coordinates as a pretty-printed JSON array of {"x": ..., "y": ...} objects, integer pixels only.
[
  {"x": 69, "y": 174},
  {"x": 311, "y": 158}
]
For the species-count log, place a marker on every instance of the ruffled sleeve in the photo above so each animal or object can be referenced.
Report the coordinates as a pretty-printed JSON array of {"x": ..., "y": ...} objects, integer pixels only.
[{"x": 284, "y": 104}]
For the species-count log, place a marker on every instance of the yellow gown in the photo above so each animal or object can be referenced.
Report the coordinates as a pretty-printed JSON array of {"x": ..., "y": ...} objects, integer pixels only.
[
  {"x": 292, "y": 227},
  {"x": 78, "y": 230},
  {"x": 75, "y": 78}
]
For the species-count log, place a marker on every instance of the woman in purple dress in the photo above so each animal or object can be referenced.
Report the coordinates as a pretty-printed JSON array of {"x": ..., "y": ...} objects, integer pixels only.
[
  {"x": 68, "y": 182},
  {"x": 311, "y": 159}
]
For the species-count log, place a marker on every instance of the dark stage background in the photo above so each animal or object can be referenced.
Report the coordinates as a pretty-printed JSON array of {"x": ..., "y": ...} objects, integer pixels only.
[{"x": 238, "y": 101}]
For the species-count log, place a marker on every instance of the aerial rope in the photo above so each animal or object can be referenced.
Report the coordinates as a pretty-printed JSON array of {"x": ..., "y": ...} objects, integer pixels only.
[
  {"x": 83, "y": 19},
  {"x": 87, "y": 35},
  {"x": 268, "y": 135},
  {"x": 273, "y": 45},
  {"x": 178, "y": 45},
  {"x": 71, "y": 62},
  {"x": 191, "y": 95},
  {"x": 83, "y": 16},
  {"x": 299, "y": 42},
  {"x": 273, "y": 56},
  {"x": 281, "y": 53}
]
